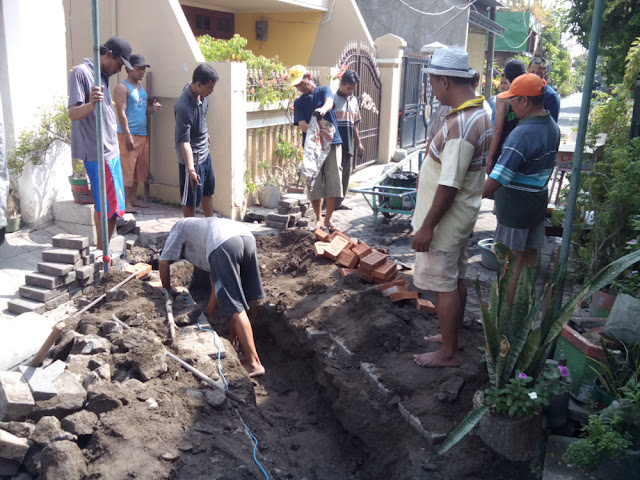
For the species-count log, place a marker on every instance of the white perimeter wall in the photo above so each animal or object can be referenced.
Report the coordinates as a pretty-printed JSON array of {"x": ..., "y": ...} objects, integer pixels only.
[{"x": 32, "y": 74}]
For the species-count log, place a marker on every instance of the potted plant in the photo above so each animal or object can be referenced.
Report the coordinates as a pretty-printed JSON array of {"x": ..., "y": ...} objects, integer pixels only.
[
  {"x": 80, "y": 186},
  {"x": 614, "y": 372},
  {"x": 517, "y": 341},
  {"x": 13, "y": 215},
  {"x": 271, "y": 185}
]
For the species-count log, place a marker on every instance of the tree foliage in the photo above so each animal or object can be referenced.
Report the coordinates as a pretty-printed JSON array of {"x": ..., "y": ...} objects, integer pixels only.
[{"x": 620, "y": 26}]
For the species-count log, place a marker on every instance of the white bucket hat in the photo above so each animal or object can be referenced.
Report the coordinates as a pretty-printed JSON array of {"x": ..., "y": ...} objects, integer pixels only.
[{"x": 450, "y": 62}]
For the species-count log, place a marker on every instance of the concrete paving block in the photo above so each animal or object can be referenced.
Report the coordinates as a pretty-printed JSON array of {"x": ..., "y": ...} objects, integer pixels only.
[
  {"x": 288, "y": 203},
  {"x": 71, "y": 212},
  {"x": 13, "y": 448},
  {"x": 22, "y": 337},
  {"x": 79, "y": 229},
  {"x": 61, "y": 255},
  {"x": 43, "y": 280},
  {"x": 39, "y": 294},
  {"x": 276, "y": 217},
  {"x": 24, "y": 305},
  {"x": 75, "y": 242},
  {"x": 84, "y": 252},
  {"x": 278, "y": 225},
  {"x": 56, "y": 302},
  {"x": 69, "y": 278},
  {"x": 85, "y": 272},
  {"x": 117, "y": 246},
  {"x": 57, "y": 269},
  {"x": 130, "y": 240},
  {"x": 16, "y": 401},
  {"x": 369, "y": 371},
  {"x": 40, "y": 382}
]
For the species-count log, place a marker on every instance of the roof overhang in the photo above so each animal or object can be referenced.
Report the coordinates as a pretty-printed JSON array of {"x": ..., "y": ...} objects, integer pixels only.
[
  {"x": 489, "y": 3},
  {"x": 243, "y": 6},
  {"x": 485, "y": 24}
]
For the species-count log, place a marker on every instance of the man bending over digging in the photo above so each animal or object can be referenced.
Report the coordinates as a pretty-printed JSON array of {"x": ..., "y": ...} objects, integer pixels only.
[{"x": 227, "y": 250}]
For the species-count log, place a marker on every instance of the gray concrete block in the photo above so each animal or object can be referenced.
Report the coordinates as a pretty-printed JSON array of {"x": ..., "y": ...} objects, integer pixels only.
[
  {"x": 69, "y": 278},
  {"x": 130, "y": 240},
  {"x": 70, "y": 398},
  {"x": 287, "y": 202},
  {"x": 57, "y": 269},
  {"x": 276, "y": 217},
  {"x": 40, "y": 382},
  {"x": 117, "y": 246},
  {"x": 43, "y": 280},
  {"x": 56, "y": 302},
  {"x": 75, "y": 242},
  {"x": 293, "y": 218},
  {"x": 39, "y": 294},
  {"x": 61, "y": 255},
  {"x": 13, "y": 448},
  {"x": 84, "y": 252},
  {"x": 278, "y": 225},
  {"x": 78, "y": 229},
  {"x": 83, "y": 273},
  {"x": 23, "y": 305},
  {"x": 71, "y": 212},
  {"x": 16, "y": 401}
]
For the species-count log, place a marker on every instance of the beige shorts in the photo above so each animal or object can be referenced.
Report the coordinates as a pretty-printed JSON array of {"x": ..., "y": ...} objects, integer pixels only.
[
  {"x": 439, "y": 271},
  {"x": 329, "y": 181},
  {"x": 135, "y": 164}
]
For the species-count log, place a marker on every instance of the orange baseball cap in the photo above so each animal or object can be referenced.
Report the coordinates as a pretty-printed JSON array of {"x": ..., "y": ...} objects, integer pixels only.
[{"x": 525, "y": 85}]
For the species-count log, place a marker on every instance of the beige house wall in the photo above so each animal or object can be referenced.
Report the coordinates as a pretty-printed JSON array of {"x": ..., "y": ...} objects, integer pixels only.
[
  {"x": 476, "y": 49},
  {"x": 345, "y": 25}
]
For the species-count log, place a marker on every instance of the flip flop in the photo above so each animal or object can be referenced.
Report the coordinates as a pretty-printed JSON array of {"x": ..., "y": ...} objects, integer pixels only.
[{"x": 332, "y": 228}]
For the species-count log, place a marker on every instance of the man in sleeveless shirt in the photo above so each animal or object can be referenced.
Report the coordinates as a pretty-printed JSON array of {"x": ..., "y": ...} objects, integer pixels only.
[{"x": 132, "y": 108}]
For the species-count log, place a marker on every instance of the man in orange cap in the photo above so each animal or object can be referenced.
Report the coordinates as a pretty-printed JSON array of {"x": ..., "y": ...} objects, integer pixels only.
[{"x": 521, "y": 174}]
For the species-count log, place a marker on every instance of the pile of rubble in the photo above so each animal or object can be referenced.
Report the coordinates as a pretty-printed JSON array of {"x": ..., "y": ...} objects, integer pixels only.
[{"x": 356, "y": 257}]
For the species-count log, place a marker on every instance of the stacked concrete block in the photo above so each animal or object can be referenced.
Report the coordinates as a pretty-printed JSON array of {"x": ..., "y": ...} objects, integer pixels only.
[
  {"x": 66, "y": 268},
  {"x": 293, "y": 199},
  {"x": 276, "y": 220},
  {"x": 16, "y": 400}
]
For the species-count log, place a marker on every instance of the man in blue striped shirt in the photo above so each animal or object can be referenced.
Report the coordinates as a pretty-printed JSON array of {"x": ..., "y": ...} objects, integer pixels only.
[{"x": 520, "y": 176}]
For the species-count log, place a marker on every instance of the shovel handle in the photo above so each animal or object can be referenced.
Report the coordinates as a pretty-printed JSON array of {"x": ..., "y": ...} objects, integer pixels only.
[{"x": 48, "y": 343}]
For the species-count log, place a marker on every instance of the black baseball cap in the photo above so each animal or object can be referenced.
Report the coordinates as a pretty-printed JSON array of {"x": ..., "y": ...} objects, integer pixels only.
[
  {"x": 138, "y": 61},
  {"x": 120, "y": 48}
]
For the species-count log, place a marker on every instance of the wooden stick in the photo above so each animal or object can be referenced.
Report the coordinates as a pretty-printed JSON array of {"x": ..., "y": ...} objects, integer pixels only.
[
  {"x": 48, "y": 343},
  {"x": 172, "y": 324}
]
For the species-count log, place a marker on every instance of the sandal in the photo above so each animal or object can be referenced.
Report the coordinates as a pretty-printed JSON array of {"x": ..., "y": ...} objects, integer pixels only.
[{"x": 332, "y": 228}]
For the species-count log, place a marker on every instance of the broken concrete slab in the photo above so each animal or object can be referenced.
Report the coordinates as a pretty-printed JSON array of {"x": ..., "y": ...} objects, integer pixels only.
[
  {"x": 13, "y": 448},
  {"x": 70, "y": 398},
  {"x": 63, "y": 461},
  {"x": 450, "y": 389},
  {"x": 19, "y": 429},
  {"x": 193, "y": 340},
  {"x": 16, "y": 400},
  {"x": 40, "y": 382},
  {"x": 90, "y": 345},
  {"x": 22, "y": 337},
  {"x": 49, "y": 430},
  {"x": 80, "y": 423}
]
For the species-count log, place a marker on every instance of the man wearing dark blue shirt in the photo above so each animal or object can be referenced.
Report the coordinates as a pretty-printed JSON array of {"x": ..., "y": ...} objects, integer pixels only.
[
  {"x": 538, "y": 67},
  {"x": 319, "y": 100}
]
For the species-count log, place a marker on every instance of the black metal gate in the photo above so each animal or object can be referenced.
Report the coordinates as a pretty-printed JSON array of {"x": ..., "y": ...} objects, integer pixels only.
[
  {"x": 369, "y": 95},
  {"x": 417, "y": 102}
]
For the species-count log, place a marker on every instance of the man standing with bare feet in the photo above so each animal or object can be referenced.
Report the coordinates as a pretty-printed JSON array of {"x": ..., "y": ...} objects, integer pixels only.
[
  {"x": 448, "y": 199},
  {"x": 227, "y": 250}
]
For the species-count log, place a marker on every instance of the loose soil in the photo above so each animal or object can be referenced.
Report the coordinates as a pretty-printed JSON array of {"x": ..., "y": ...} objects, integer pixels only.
[{"x": 315, "y": 413}]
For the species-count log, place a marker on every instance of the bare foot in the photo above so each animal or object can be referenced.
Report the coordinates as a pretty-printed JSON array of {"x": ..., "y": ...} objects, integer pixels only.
[
  {"x": 253, "y": 370},
  {"x": 139, "y": 203},
  {"x": 438, "y": 339},
  {"x": 130, "y": 209},
  {"x": 318, "y": 224},
  {"x": 436, "y": 359}
]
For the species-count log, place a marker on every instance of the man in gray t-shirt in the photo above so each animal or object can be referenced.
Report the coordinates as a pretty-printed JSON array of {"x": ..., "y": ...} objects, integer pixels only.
[
  {"x": 197, "y": 182},
  {"x": 83, "y": 96},
  {"x": 227, "y": 250}
]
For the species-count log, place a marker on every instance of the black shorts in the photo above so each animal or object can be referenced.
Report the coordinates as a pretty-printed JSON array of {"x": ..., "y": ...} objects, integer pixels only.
[
  {"x": 235, "y": 274},
  {"x": 206, "y": 187}
]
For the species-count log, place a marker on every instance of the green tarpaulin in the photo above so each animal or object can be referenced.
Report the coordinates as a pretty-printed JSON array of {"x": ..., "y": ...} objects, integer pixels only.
[{"x": 517, "y": 26}]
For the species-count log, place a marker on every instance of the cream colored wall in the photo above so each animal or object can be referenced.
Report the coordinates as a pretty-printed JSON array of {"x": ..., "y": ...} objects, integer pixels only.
[
  {"x": 476, "y": 49},
  {"x": 290, "y": 35},
  {"x": 345, "y": 25}
]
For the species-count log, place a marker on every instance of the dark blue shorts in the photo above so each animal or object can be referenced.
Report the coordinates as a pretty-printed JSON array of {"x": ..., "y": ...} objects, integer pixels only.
[{"x": 206, "y": 187}]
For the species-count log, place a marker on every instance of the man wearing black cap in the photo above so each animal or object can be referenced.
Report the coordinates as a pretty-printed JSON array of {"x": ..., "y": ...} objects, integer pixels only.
[
  {"x": 131, "y": 105},
  {"x": 83, "y": 96}
]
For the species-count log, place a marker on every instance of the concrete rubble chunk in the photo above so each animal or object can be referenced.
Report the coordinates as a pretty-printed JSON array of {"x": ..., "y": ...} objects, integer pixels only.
[
  {"x": 80, "y": 423},
  {"x": 13, "y": 448},
  {"x": 216, "y": 399},
  {"x": 63, "y": 347},
  {"x": 40, "y": 383},
  {"x": 49, "y": 430},
  {"x": 90, "y": 345},
  {"x": 70, "y": 398},
  {"x": 63, "y": 461},
  {"x": 61, "y": 255},
  {"x": 43, "y": 280},
  {"x": 450, "y": 389},
  {"x": 9, "y": 468},
  {"x": 19, "y": 429},
  {"x": 65, "y": 240},
  {"x": 16, "y": 401}
]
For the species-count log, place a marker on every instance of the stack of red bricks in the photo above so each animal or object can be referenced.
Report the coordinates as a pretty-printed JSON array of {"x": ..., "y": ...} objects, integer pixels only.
[{"x": 372, "y": 265}]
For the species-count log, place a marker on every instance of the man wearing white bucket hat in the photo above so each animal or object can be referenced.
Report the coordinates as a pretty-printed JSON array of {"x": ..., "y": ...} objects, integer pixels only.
[{"x": 448, "y": 199}]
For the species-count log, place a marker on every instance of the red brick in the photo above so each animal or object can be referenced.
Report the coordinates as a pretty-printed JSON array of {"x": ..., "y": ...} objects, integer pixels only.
[
  {"x": 348, "y": 259},
  {"x": 387, "y": 292},
  {"x": 386, "y": 279},
  {"x": 425, "y": 306},
  {"x": 335, "y": 247},
  {"x": 385, "y": 270},
  {"x": 319, "y": 248},
  {"x": 396, "y": 297},
  {"x": 397, "y": 281},
  {"x": 371, "y": 262},
  {"x": 336, "y": 234},
  {"x": 362, "y": 250},
  {"x": 367, "y": 277},
  {"x": 321, "y": 235},
  {"x": 347, "y": 271}
]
